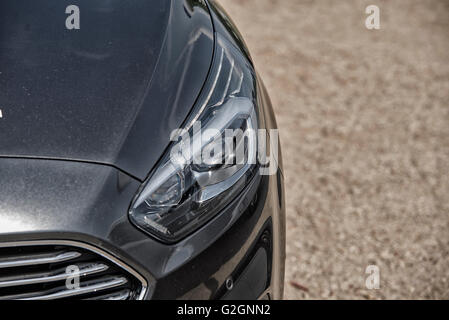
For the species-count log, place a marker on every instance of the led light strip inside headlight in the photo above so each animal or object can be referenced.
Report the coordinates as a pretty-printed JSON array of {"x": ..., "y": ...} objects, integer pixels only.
[{"x": 211, "y": 160}]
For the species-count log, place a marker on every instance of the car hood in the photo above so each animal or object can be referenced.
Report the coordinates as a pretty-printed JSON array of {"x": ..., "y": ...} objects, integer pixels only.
[{"x": 110, "y": 92}]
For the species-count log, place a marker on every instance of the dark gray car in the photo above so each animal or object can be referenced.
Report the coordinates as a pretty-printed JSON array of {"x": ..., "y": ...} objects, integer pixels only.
[{"x": 100, "y": 193}]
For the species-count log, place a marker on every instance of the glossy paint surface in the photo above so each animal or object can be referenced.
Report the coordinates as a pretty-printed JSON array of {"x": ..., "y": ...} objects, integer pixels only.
[{"x": 110, "y": 92}]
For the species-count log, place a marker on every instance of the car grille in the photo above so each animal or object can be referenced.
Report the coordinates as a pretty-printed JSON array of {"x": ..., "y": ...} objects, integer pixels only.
[{"x": 62, "y": 270}]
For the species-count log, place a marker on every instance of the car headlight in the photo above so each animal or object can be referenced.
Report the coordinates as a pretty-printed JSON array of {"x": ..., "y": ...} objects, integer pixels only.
[{"x": 211, "y": 159}]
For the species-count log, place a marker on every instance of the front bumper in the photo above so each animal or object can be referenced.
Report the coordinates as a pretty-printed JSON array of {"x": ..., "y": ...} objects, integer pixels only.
[{"x": 55, "y": 200}]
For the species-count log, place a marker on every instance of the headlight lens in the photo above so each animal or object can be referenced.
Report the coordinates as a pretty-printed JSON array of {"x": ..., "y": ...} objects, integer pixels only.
[{"x": 211, "y": 160}]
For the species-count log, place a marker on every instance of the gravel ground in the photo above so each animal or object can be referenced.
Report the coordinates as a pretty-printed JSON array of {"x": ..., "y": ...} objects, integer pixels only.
[{"x": 364, "y": 125}]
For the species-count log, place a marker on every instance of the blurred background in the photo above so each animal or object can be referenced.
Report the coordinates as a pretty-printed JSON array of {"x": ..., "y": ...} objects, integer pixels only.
[{"x": 364, "y": 124}]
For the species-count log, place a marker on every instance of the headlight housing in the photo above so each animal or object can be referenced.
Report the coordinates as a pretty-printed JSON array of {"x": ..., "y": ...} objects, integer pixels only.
[{"x": 211, "y": 160}]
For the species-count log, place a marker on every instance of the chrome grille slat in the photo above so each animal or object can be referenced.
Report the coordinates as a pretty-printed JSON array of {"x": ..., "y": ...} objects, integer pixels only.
[
  {"x": 117, "y": 296},
  {"x": 38, "y": 270},
  {"x": 61, "y": 292},
  {"x": 44, "y": 277},
  {"x": 36, "y": 259},
  {"x": 120, "y": 297}
]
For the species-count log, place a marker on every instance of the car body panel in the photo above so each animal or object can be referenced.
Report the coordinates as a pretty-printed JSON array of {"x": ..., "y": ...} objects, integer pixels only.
[{"x": 98, "y": 94}]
